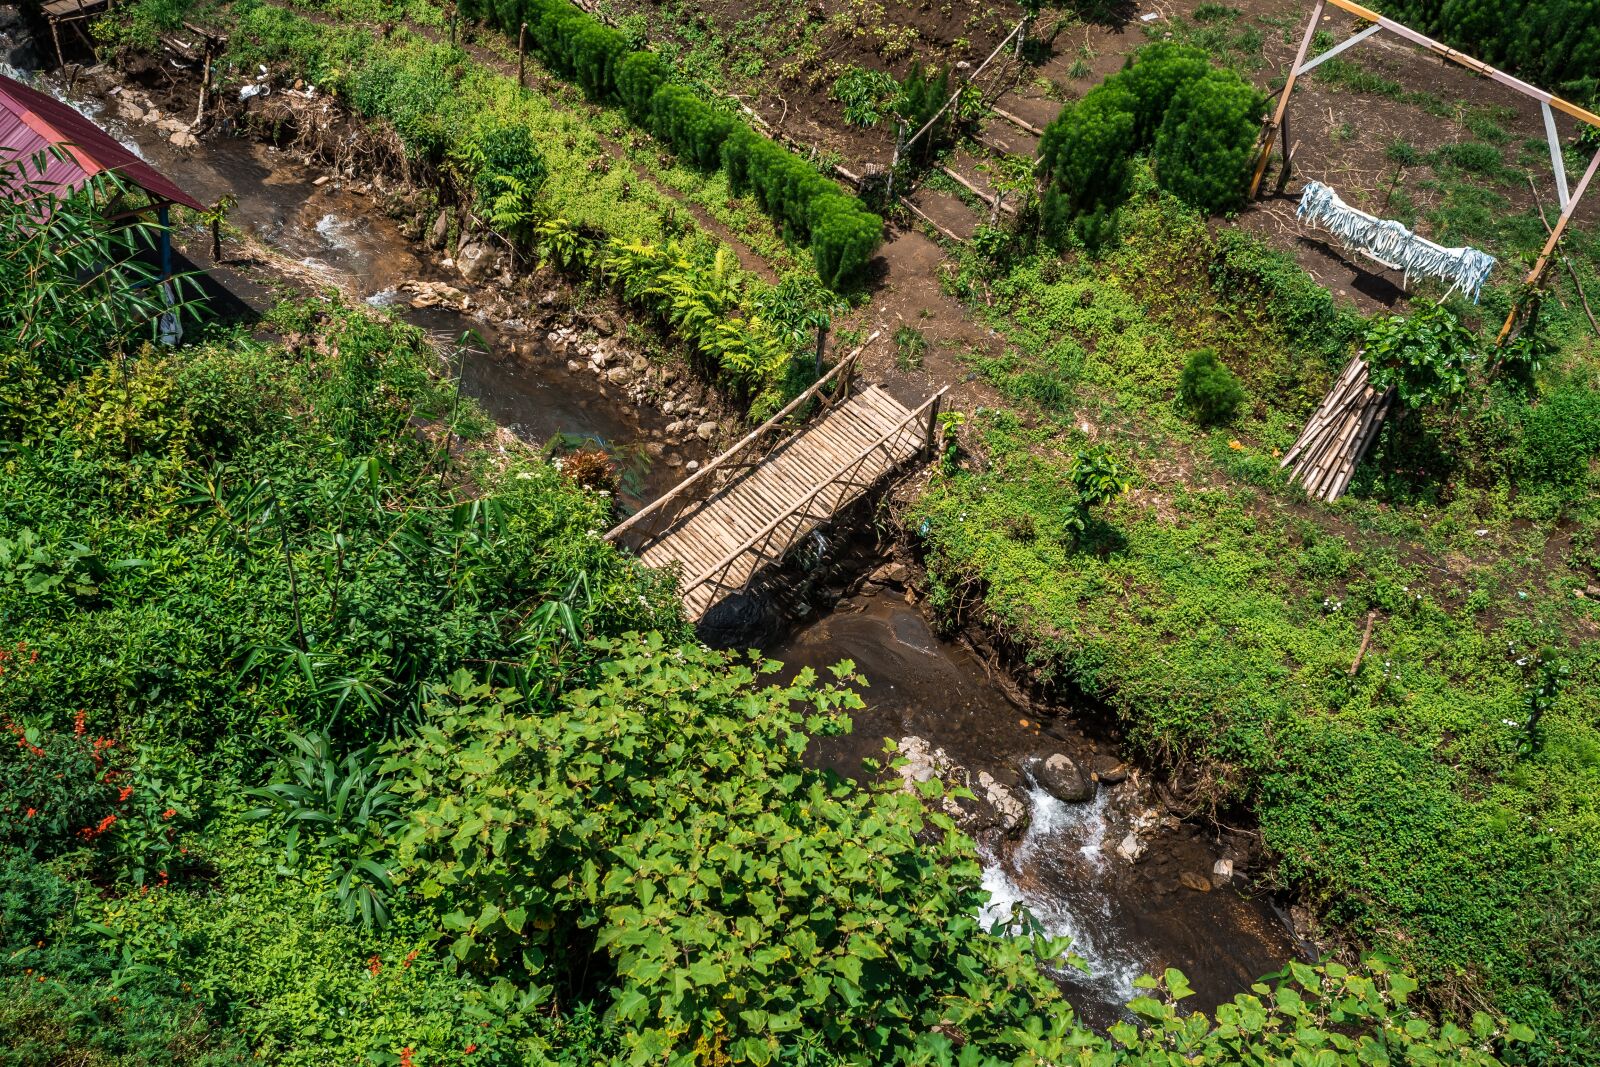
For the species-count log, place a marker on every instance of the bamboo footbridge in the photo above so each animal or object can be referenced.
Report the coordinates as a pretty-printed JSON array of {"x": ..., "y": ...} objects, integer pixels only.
[{"x": 725, "y": 524}]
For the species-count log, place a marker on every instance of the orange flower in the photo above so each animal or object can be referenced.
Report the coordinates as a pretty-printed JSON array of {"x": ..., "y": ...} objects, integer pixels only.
[
  {"x": 374, "y": 965},
  {"x": 470, "y": 1049},
  {"x": 405, "y": 1053},
  {"x": 78, "y": 723},
  {"x": 125, "y": 793},
  {"x": 31, "y": 813},
  {"x": 409, "y": 957},
  {"x": 169, "y": 813}
]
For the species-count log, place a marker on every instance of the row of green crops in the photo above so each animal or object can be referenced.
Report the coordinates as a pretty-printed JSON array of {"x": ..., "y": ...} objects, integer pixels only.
[{"x": 843, "y": 234}]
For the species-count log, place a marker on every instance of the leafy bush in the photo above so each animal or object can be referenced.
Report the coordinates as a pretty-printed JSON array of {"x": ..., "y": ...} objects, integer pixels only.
[
  {"x": 343, "y": 812},
  {"x": 1201, "y": 123},
  {"x": 1423, "y": 356},
  {"x": 506, "y": 170},
  {"x": 1556, "y": 41},
  {"x": 1084, "y": 152},
  {"x": 866, "y": 94},
  {"x": 1209, "y": 389},
  {"x": 922, "y": 94},
  {"x": 1206, "y": 141}
]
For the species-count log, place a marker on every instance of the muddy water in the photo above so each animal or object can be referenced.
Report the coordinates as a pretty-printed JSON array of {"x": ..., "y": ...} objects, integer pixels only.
[
  {"x": 1125, "y": 919},
  {"x": 341, "y": 235}
]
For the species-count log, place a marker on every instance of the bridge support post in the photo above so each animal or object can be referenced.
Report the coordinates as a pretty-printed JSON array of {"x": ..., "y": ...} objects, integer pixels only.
[{"x": 932, "y": 442}]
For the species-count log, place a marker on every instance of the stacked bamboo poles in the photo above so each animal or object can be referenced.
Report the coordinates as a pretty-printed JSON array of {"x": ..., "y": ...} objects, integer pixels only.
[{"x": 1339, "y": 434}]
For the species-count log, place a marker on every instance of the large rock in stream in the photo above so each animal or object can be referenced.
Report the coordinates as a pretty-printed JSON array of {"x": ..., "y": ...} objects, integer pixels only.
[{"x": 1061, "y": 778}]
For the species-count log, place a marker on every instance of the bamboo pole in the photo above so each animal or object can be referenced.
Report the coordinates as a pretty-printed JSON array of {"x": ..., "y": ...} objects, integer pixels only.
[
  {"x": 1550, "y": 243},
  {"x": 1283, "y": 98}
]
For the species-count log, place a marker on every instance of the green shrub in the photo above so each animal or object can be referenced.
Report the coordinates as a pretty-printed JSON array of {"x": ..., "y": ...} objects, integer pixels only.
[
  {"x": 1209, "y": 389},
  {"x": 1206, "y": 142},
  {"x": 866, "y": 95},
  {"x": 694, "y": 128},
  {"x": 1423, "y": 356},
  {"x": 1084, "y": 153},
  {"x": 638, "y": 77},
  {"x": 1561, "y": 435},
  {"x": 922, "y": 94},
  {"x": 1153, "y": 77}
]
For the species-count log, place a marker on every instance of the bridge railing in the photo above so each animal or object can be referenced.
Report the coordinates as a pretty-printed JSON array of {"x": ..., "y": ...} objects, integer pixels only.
[
  {"x": 914, "y": 434},
  {"x": 661, "y": 513}
]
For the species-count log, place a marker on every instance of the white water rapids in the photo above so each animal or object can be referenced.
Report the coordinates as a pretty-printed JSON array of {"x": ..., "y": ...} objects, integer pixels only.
[{"x": 1070, "y": 837}]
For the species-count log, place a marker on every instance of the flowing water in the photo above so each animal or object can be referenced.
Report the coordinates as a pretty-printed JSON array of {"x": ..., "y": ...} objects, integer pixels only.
[{"x": 1125, "y": 919}]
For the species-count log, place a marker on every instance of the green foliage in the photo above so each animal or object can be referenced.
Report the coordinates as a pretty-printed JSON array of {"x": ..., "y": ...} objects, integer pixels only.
[
  {"x": 922, "y": 94},
  {"x": 506, "y": 170},
  {"x": 1200, "y": 122},
  {"x": 866, "y": 94},
  {"x": 342, "y": 812},
  {"x": 88, "y": 290},
  {"x": 1205, "y": 144},
  {"x": 1209, "y": 389},
  {"x": 843, "y": 235},
  {"x": 1084, "y": 154},
  {"x": 1423, "y": 356},
  {"x": 665, "y": 808},
  {"x": 1553, "y": 41},
  {"x": 910, "y": 346},
  {"x": 1561, "y": 435}
]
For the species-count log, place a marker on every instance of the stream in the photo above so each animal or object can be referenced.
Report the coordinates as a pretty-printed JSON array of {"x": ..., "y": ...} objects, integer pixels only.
[
  {"x": 1124, "y": 918},
  {"x": 517, "y": 374},
  {"x": 1060, "y": 859}
]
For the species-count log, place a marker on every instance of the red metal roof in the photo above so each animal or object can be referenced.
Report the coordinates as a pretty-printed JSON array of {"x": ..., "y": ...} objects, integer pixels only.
[{"x": 31, "y": 122}]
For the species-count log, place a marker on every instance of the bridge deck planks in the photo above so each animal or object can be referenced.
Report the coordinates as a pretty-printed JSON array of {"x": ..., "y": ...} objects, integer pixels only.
[{"x": 736, "y": 513}]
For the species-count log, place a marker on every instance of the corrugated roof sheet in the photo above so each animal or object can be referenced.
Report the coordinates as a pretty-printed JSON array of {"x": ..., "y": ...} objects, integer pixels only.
[{"x": 32, "y": 122}]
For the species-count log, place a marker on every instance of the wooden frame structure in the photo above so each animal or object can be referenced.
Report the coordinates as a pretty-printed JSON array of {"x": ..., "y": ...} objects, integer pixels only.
[
  {"x": 752, "y": 505},
  {"x": 1276, "y": 130},
  {"x": 72, "y": 12}
]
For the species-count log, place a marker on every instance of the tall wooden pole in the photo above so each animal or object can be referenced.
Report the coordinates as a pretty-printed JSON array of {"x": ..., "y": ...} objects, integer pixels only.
[
  {"x": 1283, "y": 98},
  {"x": 1550, "y": 243},
  {"x": 522, "y": 55}
]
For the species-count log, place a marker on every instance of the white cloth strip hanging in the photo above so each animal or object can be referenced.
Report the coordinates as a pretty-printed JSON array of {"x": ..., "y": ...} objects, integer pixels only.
[{"x": 1388, "y": 242}]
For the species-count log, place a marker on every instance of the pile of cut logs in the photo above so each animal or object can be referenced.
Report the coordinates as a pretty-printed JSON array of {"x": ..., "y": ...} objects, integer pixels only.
[{"x": 1339, "y": 434}]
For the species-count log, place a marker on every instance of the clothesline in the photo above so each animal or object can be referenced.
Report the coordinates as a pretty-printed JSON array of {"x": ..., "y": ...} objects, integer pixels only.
[{"x": 1390, "y": 243}]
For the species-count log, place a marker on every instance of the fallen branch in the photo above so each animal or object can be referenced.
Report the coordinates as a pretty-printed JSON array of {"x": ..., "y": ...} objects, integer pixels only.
[{"x": 1366, "y": 638}]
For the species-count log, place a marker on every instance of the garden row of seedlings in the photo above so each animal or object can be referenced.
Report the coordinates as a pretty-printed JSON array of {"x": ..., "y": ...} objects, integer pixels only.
[{"x": 843, "y": 235}]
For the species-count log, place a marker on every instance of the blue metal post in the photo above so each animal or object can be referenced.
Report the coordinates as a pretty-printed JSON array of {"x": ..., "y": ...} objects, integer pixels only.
[{"x": 166, "y": 241}]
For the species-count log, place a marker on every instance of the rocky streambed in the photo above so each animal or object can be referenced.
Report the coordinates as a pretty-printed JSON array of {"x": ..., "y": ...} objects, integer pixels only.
[{"x": 1064, "y": 825}]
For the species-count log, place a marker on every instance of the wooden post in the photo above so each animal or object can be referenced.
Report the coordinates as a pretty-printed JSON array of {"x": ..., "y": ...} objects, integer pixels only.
[
  {"x": 1288, "y": 155},
  {"x": 933, "y": 425},
  {"x": 216, "y": 240},
  {"x": 1283, "y": 97},
  {"x": 205, "y": 83},
  {"x": 452, "y": 27},
  {"x": 1550, "y": 243},
  {"x": 522, "y": 55},
  {"x": 822, "y": 343},
  {"x": 1366, "y": 639},
  {"x": 1022, "y": 39}
]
